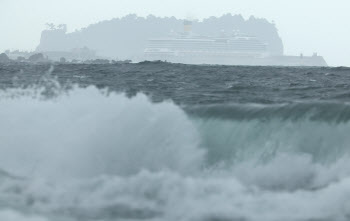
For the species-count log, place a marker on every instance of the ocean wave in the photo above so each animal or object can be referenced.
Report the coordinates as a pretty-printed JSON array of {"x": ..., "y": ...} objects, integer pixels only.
[
  {"x": 336, "y": 112},
  {"x": 90, "y": 154},
  {"x": 171, "y": 196},
  {"x": 88, "y": 131}
]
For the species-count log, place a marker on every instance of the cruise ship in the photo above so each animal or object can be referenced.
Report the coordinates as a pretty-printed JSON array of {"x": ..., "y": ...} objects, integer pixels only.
[{"x": 233, "y": 48}]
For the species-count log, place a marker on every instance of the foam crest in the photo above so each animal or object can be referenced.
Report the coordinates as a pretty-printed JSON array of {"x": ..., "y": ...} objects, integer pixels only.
[
  {"x": 87, "y": 154},
  {"x": 87, "y": 132},
  {"x": 171, "y": 196},
  {"x": 10, "y": 215}
]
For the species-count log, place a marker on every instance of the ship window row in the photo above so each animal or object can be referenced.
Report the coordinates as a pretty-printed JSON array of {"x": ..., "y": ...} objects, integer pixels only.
[
  {"x": 209, "y": 48},
  {"x": 202, "y": 45},
  {"x": 206, "y": 51},
  {"x": 200, "y": 49},
  {"x": 205, "y": 42},
  {"x": 205, "y": 55}
]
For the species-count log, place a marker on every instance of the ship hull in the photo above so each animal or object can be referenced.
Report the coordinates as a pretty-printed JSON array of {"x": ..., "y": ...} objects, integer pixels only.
[{"x": 243, "y": 60}]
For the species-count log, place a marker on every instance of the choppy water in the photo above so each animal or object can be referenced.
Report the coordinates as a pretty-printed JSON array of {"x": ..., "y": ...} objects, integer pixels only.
[{"x": 159, "y": 141}]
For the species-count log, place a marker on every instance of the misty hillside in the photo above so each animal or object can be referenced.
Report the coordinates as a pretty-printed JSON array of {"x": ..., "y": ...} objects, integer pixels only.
[{"x": 127, "y": 37}]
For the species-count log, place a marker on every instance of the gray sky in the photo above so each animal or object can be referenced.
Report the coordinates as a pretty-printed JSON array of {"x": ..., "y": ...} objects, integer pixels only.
[{"x": 306, "y": 26}]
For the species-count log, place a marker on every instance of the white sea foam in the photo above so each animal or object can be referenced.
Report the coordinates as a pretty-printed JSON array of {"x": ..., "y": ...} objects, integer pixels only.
[
  {"x": 10, "y": 215},
  {"x": 91, "y": 155},
  {"x": 171, "y": 196},
  {"x": 87, "y": 132}
]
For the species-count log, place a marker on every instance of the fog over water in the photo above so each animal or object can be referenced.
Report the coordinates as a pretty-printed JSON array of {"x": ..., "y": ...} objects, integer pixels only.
[
  {"x": 183, "y": 110},
  {"x": 305, "y": 27}
]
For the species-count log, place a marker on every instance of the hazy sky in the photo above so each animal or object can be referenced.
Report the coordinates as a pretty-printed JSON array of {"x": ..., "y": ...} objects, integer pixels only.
[{"x": 306, "y": 26}]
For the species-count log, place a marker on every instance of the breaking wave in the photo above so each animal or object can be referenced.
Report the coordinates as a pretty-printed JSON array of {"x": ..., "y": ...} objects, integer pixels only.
[
  {"x": 87, "y": 132},
  {"x": 90, "y": 154}
]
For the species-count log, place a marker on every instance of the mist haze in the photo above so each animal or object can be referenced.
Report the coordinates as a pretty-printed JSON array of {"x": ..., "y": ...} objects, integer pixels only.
[
  {"x": 187, "y": 110},
  {"x": 304, "y": 27}
]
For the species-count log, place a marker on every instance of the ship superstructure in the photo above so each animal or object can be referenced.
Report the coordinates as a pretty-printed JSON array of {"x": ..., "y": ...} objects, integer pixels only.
[
  {"x": 233, "y": 48},
  {"x": 189, "y": 47}
]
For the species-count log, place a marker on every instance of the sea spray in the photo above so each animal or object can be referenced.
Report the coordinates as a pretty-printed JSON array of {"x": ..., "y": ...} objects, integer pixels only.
[
  {"x": 173, "y": 142},
  {"x": 87, "y": 132}
]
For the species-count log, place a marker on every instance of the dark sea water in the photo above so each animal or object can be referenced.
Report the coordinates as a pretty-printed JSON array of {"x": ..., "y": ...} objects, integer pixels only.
[{"x": 159, "y": 141}]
